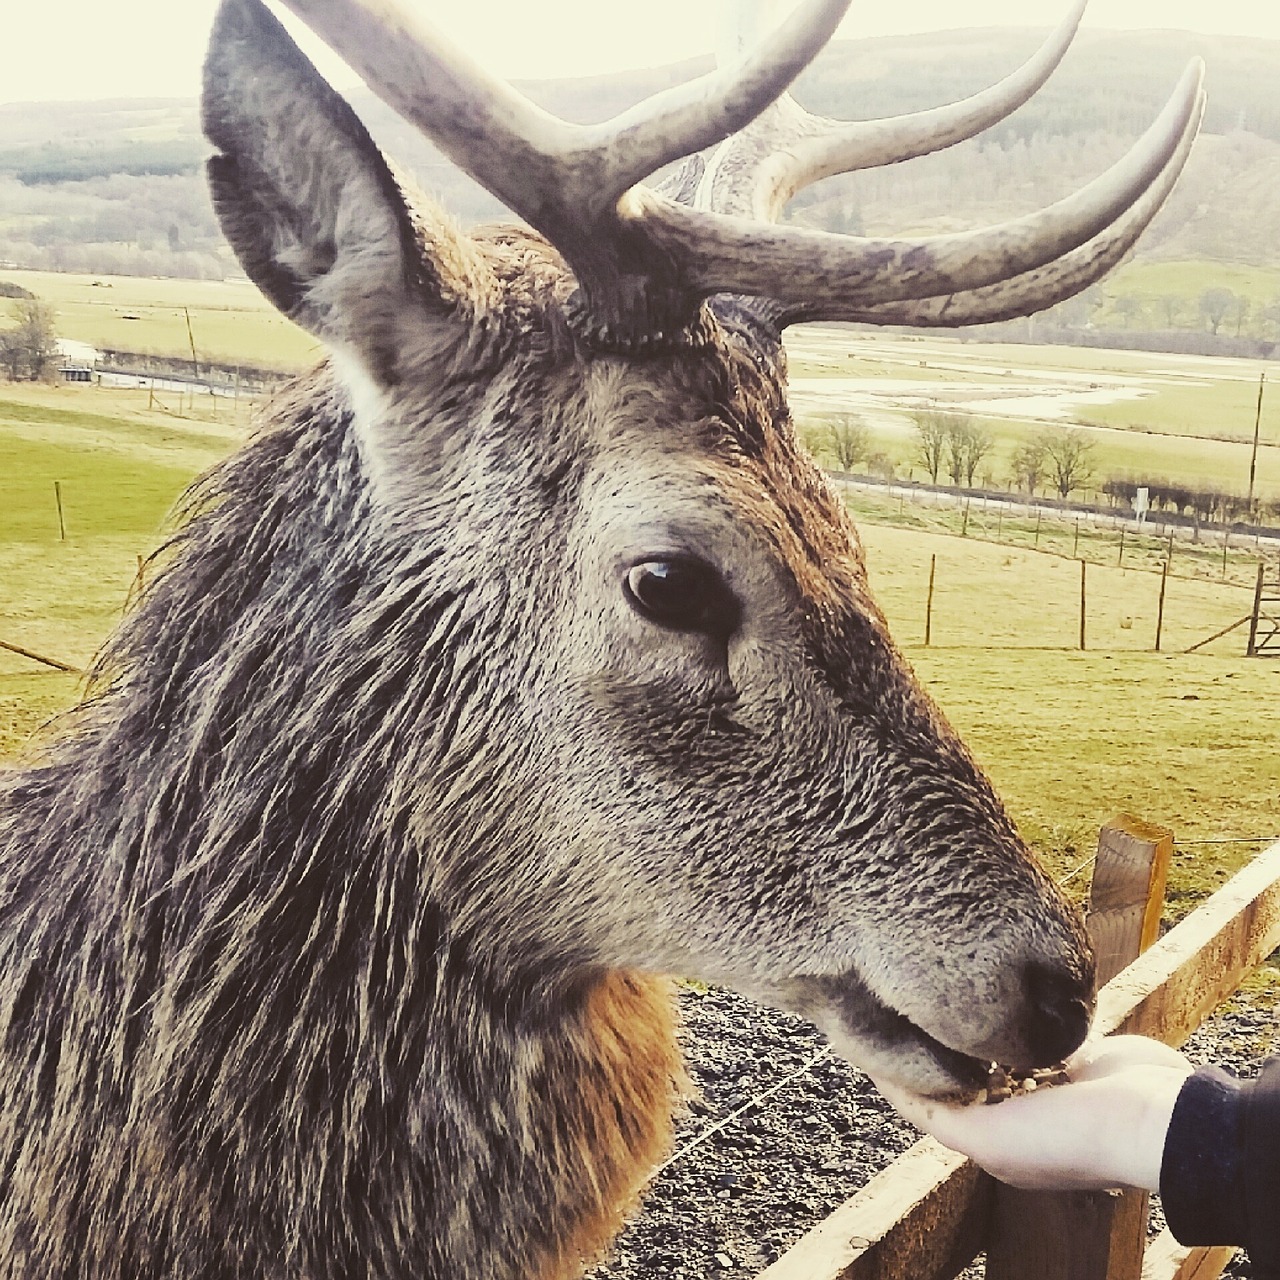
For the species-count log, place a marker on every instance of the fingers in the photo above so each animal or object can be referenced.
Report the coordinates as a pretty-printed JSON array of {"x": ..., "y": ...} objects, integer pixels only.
[
  {"x": 1104, "y": 1055},
  {"x": 1103, "y": 1129}
]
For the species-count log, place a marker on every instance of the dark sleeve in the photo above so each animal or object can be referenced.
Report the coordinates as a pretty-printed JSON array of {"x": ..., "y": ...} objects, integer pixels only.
[{"x": 1220, "y": 1175}]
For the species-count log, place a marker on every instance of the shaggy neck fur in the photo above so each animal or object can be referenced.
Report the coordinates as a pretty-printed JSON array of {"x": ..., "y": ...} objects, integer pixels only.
[{"x": 250, "y": 1027}]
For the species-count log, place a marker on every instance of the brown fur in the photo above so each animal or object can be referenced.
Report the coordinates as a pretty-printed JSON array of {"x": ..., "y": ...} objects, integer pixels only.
[{"x": 616, "y": 1110}]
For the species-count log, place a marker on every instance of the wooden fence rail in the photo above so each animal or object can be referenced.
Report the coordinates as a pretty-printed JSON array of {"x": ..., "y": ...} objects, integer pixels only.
[{"x": 931, "y": 1212}]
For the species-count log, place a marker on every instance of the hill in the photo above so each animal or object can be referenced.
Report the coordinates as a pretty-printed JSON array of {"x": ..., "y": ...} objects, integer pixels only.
[{"x": 117, "y": 186}]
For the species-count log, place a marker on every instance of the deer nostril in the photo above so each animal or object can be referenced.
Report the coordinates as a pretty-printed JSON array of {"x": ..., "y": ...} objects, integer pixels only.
[{"x": 1059, "y": 1009}]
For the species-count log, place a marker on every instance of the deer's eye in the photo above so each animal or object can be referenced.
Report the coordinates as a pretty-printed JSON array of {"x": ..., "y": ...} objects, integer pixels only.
[{"x": 682, "y": 593}]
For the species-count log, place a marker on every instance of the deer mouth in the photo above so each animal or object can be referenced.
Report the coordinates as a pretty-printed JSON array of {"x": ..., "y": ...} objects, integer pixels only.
[{"x": 887, "y": 1044}]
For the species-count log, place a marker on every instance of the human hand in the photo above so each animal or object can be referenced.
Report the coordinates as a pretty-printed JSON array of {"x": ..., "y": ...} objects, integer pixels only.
[{"x": 1105, "y": 1128}]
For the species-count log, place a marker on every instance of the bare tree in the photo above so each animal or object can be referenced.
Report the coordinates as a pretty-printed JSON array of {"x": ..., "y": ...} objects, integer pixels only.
[
  {"x": 933, "y": 427},
  {"x": 968, "y": 442},
  {"x": 1070, "y": 457},
  {"x": 1030, "y": 463},
  {"x": 849, "y": 440},
  {"x": 30, "y": 349}
]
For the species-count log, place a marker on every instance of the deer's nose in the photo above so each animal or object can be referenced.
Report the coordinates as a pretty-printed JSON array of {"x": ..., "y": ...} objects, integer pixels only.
[{"x": 1059, "y": 1009}]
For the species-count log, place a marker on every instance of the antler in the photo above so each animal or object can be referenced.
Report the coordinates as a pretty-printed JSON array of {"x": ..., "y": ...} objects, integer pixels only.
[
  {"x": 644, "y": 262},
  {"x": 568, "y": 180}
]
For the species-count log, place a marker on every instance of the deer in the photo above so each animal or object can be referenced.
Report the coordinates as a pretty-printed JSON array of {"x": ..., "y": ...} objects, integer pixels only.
[{"x": 520, "y": 661}]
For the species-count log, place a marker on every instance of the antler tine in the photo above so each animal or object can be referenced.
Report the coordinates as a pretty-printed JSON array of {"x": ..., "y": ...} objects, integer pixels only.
[
  {"x": 688, "y": 117},
  {"x": 842, "y": 147},
  {"x": 1035, "y": 290},
  {"x": 829, "y": 272},
  {"x": 503, "y": 140},
  {"x": 565, "y": 179}
]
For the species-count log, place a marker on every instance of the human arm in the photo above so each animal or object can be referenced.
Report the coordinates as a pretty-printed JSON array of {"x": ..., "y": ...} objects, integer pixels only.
[{"x": 1134, "y": 1114}]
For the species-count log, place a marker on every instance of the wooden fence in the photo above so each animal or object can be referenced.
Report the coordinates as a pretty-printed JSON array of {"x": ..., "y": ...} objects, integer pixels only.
[{"x": 931, "y": 1213}]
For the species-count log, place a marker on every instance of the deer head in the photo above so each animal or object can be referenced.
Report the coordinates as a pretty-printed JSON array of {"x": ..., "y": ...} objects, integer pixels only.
[{"x": 661, "y": 723}]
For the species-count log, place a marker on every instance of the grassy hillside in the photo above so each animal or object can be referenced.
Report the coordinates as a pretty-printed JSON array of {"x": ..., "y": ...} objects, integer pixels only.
[{"x": 1069, "y": 737}]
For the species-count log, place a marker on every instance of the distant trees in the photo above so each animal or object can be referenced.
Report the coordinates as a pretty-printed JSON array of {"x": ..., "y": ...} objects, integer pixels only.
[
  {"x": 1128, "y": 307},
  {"x": 1170, "y": 307},
  {"x": 848, "y": 440},
  {"x": 951, "y": 440},
  {"x": 29, "y": 350},
  {"x": 1030, "y": 464},
  {"x": 1196, "y": 503},
  {"x": 1238, "y": 311},
  {"x": 932, "y": 427},
  {"x": 1069, "y": 453},
  {"x": 968, "y": 442},
  {"x": 1215, "y": 303}
]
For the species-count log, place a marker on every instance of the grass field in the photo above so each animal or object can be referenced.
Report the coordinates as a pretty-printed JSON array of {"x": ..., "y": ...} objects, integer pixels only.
[
  {"x": 1069, "y": 737},
  {"x": 1180, "y": 418},
  {"x": 120, "y": 468},
  {"x": 231, "y": 322},
  {"x": 1189, "y": 419},
  {"x": 1107, "y": 541},
  {"x": 1188, "y": 280}
]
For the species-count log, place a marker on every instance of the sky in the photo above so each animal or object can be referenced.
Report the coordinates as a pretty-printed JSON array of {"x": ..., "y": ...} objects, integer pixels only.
[{"x": 62, "y": 49}]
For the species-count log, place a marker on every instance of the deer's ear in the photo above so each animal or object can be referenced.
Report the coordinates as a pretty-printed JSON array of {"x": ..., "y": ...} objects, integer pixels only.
[{"x": 311, "y": 208}]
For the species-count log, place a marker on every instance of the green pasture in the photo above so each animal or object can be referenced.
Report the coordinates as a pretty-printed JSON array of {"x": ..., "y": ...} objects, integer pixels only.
[
  {"x": 1106, "y": 543},
  {"x": 120, "y": 470},
  {"x": 829, "y": 350},
  {"x": 1221, "y": 409},
  {"x": 231, "y": 322},
  {"x": 1069, "y": 737},
  {"x": 1197, "y": 462},
  {"x": 1191, "y": 421},
  {"x": 1188, "y": 280}
]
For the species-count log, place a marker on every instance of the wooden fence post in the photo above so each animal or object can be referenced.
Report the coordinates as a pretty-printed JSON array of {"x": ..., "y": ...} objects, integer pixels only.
[
  {"x": 1164, "y": 582},
  {"x": 1252, "y": 649},
  {"x": 1083, "y": 569},
  {"x": 1092, "y": 1235},
  {"x": 928, "y": 608}
]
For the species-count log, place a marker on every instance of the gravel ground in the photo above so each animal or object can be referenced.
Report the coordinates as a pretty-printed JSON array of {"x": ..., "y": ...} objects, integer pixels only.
[{"x": 740, "y": 1191}]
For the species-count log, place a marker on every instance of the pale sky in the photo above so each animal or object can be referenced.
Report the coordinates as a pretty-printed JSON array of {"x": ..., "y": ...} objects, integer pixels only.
[{"x": 61, "y": 49}]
